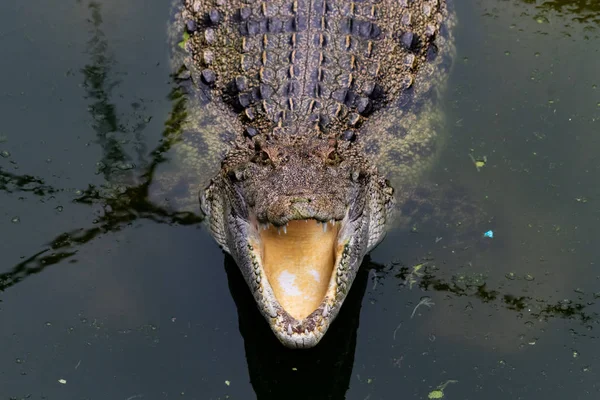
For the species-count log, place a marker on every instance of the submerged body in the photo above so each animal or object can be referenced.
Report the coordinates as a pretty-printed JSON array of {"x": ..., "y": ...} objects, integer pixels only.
[{"x": 315, "y": 111}]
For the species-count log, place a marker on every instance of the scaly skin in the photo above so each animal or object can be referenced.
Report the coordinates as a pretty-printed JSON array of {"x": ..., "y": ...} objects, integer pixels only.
[{"x": 311, "y": 108}]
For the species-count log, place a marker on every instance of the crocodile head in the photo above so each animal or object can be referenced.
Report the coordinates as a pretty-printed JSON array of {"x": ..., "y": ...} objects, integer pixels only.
[{"x": 298, "y": 216}]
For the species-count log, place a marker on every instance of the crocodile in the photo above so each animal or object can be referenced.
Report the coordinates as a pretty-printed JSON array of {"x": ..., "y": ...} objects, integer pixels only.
[{"x": 309, "y": 124}]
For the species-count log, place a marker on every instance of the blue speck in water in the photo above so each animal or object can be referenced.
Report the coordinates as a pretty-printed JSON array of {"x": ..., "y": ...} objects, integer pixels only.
[{"x": 489, "y": 234}]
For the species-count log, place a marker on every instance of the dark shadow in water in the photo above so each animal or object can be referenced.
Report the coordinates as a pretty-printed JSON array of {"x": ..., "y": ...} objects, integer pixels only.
[{"x": 276, "y": 372}]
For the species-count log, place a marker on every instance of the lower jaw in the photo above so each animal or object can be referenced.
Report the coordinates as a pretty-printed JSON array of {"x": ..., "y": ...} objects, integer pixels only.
[
  {"x": 292, "y": 332},
  {"x": 305, "y": 332}
]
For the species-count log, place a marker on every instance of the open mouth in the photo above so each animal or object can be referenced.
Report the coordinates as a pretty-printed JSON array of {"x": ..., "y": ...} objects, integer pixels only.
[
  {"x": 304, "y": 272},
  {"x": 298, "y": 260}
]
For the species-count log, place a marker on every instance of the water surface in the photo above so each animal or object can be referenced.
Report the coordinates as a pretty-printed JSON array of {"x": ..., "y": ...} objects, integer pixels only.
[{"x": 107, "y": 295}]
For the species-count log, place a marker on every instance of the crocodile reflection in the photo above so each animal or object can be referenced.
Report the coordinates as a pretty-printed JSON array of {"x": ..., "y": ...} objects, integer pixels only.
[{"x": 122, "y": 201}]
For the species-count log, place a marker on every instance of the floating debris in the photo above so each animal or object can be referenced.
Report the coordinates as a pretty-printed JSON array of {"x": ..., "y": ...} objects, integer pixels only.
[
  {"x": 438, "y": 393},
  {"x": 375, "y": 278},
  {"x": 414, "y": 274},
  {"x": 227, "y": 383},
  {"x": 62, "y": 381},
  {"x": 124, "y": 166},
  {"x": 396, "y": 330},
  {"x": 478, "y": 162},
  {"x": 489, "y": 234},
  {"x": 425, "y": 301}
]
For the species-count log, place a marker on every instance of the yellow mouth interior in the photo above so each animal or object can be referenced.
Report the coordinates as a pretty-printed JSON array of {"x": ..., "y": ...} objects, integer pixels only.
[{"x": 298, "y": 263}]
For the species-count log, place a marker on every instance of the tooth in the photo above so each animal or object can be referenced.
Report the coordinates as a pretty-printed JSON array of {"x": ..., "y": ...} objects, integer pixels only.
[
  {"x": 285, "y": 229},
  {"x": 325, "y": 310},
  {"x": 332, "y": 221},
  {"x": 278, "y": 231},
  {"x": 324, "y": 227},
  {"x": 289, "y": 329}
]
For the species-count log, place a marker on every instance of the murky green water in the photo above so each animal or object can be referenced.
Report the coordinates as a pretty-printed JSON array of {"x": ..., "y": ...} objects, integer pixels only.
[{"x": 106, "y": 295}]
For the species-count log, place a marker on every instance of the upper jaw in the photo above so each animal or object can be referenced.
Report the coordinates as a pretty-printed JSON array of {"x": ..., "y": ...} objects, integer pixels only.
[{"x": 285, "y": 208}]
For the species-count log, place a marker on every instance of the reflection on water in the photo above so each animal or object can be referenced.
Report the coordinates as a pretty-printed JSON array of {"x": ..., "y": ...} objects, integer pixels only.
[
  {"x": 474, "y": 287},
  {"x": 583, "y": 11},
  {"x": 123, "y": 203},
  {"x": 98, "y": 85}
]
